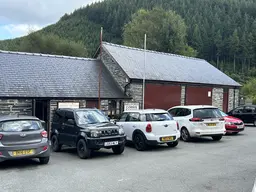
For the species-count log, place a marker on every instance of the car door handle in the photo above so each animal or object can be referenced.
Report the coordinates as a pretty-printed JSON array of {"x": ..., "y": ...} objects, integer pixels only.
[{"x": 134, "y": 126}]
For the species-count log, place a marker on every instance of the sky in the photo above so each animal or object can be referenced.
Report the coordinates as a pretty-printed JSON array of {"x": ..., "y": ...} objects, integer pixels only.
[{"x": 18, "y": 17}]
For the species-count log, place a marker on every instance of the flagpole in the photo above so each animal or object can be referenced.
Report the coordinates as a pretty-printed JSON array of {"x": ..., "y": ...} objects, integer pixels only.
[
  {"x": 100, "y": 68},
  {"x": 144, "y": 74}
]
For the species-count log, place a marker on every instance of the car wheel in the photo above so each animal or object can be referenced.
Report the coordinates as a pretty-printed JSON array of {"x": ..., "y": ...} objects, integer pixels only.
[
  {"x": 82, "y": 150},
  {"x": 139, "y": 142},
  {"x": 56, "y": 147},
  {"x": 44, "y": 160},
  {"x": 173, "y": 144},
  {"x": 216, "y": 138},
  {"x": 118, "y": 149},
  {"x": 185, "y": 136}
]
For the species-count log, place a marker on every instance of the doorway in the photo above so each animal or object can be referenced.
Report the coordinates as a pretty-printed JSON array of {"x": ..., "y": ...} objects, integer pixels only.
[{"x": 41, "y": 109}]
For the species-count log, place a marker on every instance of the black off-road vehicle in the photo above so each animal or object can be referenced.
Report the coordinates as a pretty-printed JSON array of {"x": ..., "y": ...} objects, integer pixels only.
[{"x": 87, "y": 130}]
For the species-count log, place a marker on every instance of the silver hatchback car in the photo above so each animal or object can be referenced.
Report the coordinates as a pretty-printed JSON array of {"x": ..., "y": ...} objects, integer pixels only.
[{"x": 23, "y": 137}]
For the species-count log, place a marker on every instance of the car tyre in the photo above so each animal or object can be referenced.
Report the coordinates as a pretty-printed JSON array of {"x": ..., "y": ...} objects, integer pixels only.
[
  {"x": 139, "y": 142},
  {"x": 44, "y": 160},
  {"x": 82, "y": 149},
  {"x": 173, "y": 144},
  {"x": 56, "y": 147},
  {"x": 118, "y": 149},
  {"x": 184, "y": 135},
  {"x": 216, "y": 138}
]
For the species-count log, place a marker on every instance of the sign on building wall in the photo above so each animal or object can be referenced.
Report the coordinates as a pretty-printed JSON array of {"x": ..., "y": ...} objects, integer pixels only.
[
  {"x": 131, "y": 106},
  {"x": 68, "y": 105}
]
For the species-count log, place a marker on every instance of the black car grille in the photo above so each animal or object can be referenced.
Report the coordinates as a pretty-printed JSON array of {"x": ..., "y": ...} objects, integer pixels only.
[
  {"x": 241, "y": 123},
  {"x": 109, "y": 132}
]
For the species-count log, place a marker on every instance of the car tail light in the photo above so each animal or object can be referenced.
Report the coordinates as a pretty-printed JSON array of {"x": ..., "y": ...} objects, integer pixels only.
[
  {"x": 45, "y": 148},
  {"x": 149, "y": 128},
  {"x": 178, "y": 126},
  {"x": 195, "y": 119},
  {"x": 1, "y": 136},
  {"x": 44, "y": 134}
]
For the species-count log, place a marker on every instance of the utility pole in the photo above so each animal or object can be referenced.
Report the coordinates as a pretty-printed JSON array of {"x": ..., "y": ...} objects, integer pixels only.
[
  {"x": 144, "y": 74},
  {"x": 100, "y": 70}
]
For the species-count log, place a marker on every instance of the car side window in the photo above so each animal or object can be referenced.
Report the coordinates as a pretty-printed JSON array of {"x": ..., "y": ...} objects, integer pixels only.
[
  {"x": 69, "y": 118},
  {"x": 187, "y": 112},
  {"x": 238, "y": 110},
  {"x": 180, "y": 112},
  {"x": 123, "y": 117},
  {"x": 133, "y": 117},
  {"x": 173, "y": 112},
  {"x": 249, "y": 109}
]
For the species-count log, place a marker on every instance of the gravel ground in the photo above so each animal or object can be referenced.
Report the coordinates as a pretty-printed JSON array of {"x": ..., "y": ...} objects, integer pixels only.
[{"x": 201, "y": 165}]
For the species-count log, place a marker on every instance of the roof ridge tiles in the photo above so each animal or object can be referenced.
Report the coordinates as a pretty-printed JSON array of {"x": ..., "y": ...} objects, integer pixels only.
[
  {"x": 151, "y": 51},
  {"x": 47, "y": 55}
]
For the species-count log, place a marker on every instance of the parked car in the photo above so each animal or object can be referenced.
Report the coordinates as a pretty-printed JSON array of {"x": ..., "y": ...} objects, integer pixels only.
[
  {"x": 199, "y": 121},
  {"x": 149, "y": 127},
  {"x": 87, "y": 130},
  {"x": 246, "y": 113},
  {"x": 233, "y": 125},
  {"x": 23, "y": 137}
]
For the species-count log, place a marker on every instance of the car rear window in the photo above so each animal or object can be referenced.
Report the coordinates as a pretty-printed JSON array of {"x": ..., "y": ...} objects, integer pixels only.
[
  {"x": 157, "y": 117},
  {"x": 20, "y": 125},
  {"x": 207, "y": 113}
]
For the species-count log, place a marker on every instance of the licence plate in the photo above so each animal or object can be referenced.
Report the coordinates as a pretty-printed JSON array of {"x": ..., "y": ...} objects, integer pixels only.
[
  {"x": 211, "y": 124},
  {"x": 240, "y": 127},
  {"x": 167, "y": 138},
  {"x": 23, "y": 152},
  {"x": 111, "y": 143}
]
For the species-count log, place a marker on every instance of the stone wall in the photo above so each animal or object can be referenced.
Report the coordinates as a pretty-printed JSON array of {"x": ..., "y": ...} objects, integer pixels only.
[
  {"x": 231, "y": 99},
  {"x": 15, "y": 106},
  {"x": 237, "y": 92},
  {"x": 183, "y": 95},
  {"x": 135, "y": 90},
  {"x": 217, "y": 97},
  {"x": 116, "y": 71}
]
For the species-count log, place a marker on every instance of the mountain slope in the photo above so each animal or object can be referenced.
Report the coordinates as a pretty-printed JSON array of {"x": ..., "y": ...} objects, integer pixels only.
[{"x": 222, "y": 31}]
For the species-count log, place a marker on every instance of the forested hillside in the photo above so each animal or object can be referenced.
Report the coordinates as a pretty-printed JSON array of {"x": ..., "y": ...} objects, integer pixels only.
[{"x": 222, "y": 31}]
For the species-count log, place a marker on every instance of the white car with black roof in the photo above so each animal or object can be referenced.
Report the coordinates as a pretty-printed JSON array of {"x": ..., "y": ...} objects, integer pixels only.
[
  {"x": 149, "y": 127},
  {"x": 199, "y": 121}
]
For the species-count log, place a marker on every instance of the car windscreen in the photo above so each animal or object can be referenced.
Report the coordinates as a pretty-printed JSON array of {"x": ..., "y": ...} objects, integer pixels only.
[
  {"x": 20, "y": 125},
  {"x": 157, "y": 117},
  {"x": 206, "y": 113},
  {"x": 90, "y": 117}
]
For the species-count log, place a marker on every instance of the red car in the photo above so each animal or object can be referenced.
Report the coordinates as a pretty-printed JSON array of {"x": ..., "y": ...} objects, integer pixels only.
[{"x": 233, "y": 125}]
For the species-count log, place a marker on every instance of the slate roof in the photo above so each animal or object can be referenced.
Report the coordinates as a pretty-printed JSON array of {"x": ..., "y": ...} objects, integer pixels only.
[
  {"x": 39, "y": 75},
  {"x": 166, "y": 67}
]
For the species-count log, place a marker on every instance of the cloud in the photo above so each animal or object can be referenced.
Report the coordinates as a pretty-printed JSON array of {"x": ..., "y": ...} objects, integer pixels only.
[
  {"x": 18, "y": 30},
  {"x": 19, "y": 16},
  {"x": 40, "y": 12}
]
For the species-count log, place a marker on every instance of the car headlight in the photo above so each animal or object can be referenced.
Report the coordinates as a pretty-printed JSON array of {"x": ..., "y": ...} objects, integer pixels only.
[
  {"x": 121, "y": 131},
  {"x": 95, "y": 133}
]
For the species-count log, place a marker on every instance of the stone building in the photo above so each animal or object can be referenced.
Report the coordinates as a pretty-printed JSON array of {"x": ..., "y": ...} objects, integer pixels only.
[
  {"x": 170, "y": 79},
  {"x": 37, "y": 84}
]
